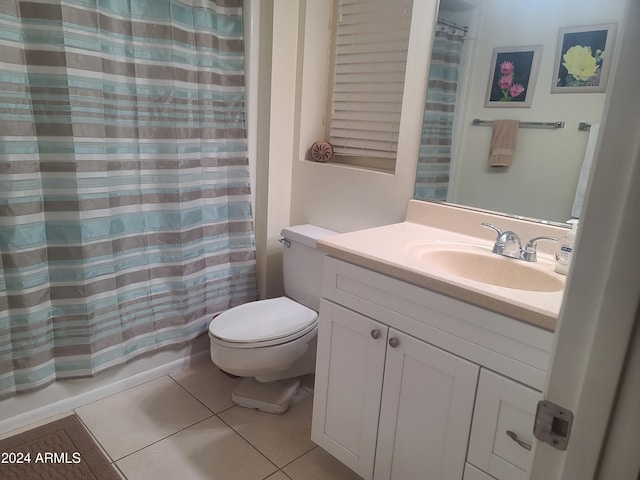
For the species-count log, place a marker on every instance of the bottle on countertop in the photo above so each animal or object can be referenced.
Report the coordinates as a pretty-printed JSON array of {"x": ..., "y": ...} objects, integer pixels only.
[{"x": 564, "y": 254}]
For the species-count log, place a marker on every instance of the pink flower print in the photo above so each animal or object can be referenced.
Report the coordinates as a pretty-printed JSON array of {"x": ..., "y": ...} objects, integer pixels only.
[
  {"x": 506, "y": 68},
  {"x": 516, "y": 89},
  {"x": 505, "y": 82}
]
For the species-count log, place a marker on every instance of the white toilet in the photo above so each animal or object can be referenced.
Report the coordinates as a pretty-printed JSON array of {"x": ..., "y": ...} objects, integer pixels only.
[{"x": 272, "y": 342}]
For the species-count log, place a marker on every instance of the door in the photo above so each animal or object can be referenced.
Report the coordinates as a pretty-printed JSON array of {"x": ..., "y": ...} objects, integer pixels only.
[
  {"x": 603, "y": 289},
  {"x": 348, "y": 387},
  {"x": 427, "y": 404}
]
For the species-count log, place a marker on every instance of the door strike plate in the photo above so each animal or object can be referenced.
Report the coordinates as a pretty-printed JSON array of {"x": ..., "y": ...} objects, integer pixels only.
[{"x": 553, "y": 424}]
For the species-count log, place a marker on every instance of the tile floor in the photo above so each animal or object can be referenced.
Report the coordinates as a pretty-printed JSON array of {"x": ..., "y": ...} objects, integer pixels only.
[{"x": 185, "y": 426}]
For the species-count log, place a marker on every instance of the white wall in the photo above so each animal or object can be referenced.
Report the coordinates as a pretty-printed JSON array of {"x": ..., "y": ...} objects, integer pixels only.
[
  {"x": 340, "y": 197},
  {"x": 294, "y": 43},
  {"x": 542, "y": 179}
]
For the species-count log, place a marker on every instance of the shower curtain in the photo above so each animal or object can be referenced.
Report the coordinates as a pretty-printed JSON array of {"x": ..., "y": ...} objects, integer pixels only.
[
  {"x": 125, "y": 215},
  {"x": 434, "y": 161}
]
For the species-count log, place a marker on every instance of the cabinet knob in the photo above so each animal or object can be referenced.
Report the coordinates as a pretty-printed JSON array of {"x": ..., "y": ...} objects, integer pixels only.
[
  {"x": 375, "y": 334},
  {"x": 393, "y": 342}
]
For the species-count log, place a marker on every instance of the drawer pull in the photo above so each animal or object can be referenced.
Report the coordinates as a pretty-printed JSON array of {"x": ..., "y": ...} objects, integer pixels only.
[
  {"x": 394, "y": 342},
  {"x": 514, "y": 436},
  {"x": 375, "y": 334}
]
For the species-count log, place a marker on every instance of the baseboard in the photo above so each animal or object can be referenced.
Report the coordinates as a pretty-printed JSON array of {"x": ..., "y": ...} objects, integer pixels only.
[{"x": 91, "y": 393}]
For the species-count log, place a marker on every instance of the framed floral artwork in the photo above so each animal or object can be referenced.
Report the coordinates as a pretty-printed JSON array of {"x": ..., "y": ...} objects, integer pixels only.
[
  {"x": 583, "y": 59},
  {"x": 513, "y": 76}
]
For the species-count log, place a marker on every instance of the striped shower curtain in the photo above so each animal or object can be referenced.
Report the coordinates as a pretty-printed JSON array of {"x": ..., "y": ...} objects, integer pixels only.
[
  {"x": 434, "y": 161},
  {"x": 125, "y": 216}
]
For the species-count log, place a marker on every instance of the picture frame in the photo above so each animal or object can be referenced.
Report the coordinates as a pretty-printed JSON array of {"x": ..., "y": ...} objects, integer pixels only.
[
  {"x": 583, "y": 59},
  {"x": 512, "y": 77}
]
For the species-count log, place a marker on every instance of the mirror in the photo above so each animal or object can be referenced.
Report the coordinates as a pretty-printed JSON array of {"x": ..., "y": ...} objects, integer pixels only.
[{"x": 542, "y": 178}]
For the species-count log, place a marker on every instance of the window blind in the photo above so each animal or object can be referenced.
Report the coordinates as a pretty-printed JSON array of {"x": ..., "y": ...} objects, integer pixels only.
[{"x": 372, "y": 37}]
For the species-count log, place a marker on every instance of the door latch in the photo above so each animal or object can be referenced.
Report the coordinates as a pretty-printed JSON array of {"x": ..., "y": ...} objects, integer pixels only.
[{"x": 553, "y": 424}]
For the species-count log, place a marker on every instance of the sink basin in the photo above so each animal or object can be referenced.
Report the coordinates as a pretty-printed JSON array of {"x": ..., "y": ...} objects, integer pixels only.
[{"x": 479, "y": 264}]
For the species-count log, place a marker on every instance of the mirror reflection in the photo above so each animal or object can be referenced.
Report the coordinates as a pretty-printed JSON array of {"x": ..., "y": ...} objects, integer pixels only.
[{"x": 542, "y": 175}]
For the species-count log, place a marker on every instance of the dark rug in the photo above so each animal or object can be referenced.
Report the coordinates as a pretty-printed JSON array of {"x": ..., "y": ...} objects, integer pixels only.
[{"x": 60, "y": 450}]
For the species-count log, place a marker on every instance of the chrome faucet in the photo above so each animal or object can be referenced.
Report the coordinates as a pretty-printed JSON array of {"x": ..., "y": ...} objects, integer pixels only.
[{"x": 508, "y": 244}]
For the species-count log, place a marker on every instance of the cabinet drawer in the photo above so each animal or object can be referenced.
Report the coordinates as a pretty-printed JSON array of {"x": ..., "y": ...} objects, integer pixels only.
[
  {"x": 502, "y": 406},
  {"x": 472, "y": 473}
]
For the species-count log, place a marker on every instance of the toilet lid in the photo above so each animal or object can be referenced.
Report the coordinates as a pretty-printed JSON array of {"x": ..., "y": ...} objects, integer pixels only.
[{"x": 262, "y": 321}]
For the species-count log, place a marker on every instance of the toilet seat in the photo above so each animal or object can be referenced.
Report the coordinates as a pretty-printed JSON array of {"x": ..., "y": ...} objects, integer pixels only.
[{"x": 263, "y": 323}]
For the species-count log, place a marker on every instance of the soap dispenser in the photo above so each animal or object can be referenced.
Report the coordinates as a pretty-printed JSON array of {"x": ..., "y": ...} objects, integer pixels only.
[{"x": 564, "y": 253}]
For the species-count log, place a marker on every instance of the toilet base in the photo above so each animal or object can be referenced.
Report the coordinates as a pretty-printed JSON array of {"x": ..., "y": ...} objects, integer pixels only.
[{"x": 271, "y": 397}]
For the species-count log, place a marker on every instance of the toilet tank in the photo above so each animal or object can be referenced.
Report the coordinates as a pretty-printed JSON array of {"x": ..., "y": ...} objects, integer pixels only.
[{"x": 302, "y": 263}]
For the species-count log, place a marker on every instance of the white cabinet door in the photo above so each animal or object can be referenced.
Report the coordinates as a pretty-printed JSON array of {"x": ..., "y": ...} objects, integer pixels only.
[
  {"x": 427, "y": 405},
  {"x": 502, "y": 432},
  {"x": 472, "y": 473},
  {"x": 348, "y": 386}
]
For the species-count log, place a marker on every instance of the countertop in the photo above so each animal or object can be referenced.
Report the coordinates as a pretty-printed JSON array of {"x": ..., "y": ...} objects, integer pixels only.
[{"x": 384, "y": 250}]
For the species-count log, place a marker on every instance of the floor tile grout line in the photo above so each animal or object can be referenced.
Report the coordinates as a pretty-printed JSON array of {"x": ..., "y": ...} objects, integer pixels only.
[
  {"x": 217, "y": 414},
  {"x": 165, "y": 437},
  {"x": 278, "y": 471},
  {"x": 240, "y": 434},
  {"x": 225, "y": 423},
  {"x": 95, "y": 439},
  {"x": 113, "y": 462},
  {"x": 212, "y": 414},
  {"x": 200, "y": 401},
  {"x": 299, "y": 457},
  {"x": 247, "y": 440},
  {"x": 114, "y": 465},
  {"x": 256, "y": 448},
  {"x": 192, "y": 395}
]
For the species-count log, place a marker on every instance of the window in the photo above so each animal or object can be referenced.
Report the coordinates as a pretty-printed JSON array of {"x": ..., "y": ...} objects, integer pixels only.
[{"x": 371, "y": 41}]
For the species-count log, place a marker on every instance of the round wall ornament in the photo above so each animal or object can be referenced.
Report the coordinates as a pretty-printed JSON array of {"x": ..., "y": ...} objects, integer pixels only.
[{"x": 321, "y": 151}]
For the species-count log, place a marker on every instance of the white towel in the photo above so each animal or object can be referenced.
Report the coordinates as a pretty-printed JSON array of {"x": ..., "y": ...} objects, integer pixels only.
[{"x": 583, "y": 180}]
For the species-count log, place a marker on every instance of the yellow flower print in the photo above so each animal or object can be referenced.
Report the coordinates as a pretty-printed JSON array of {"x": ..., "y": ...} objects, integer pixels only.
[{"x": 580, "y": 63}]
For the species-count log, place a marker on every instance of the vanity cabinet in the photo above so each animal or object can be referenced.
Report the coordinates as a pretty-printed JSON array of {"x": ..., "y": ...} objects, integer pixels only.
[
  {"x": 390, "y": 406},
  {"x": 397, "y": 372}
]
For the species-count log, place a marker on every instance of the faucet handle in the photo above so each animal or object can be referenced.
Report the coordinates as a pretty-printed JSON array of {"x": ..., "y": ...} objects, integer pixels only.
[
  {"x": 529, "y": 253},
  {"x": 504, "y": 240},
  {"x": 498, "y": 231}
]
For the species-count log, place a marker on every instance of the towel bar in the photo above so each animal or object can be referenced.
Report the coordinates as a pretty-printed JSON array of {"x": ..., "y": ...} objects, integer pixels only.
[{"x": 559, "y": 124}]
